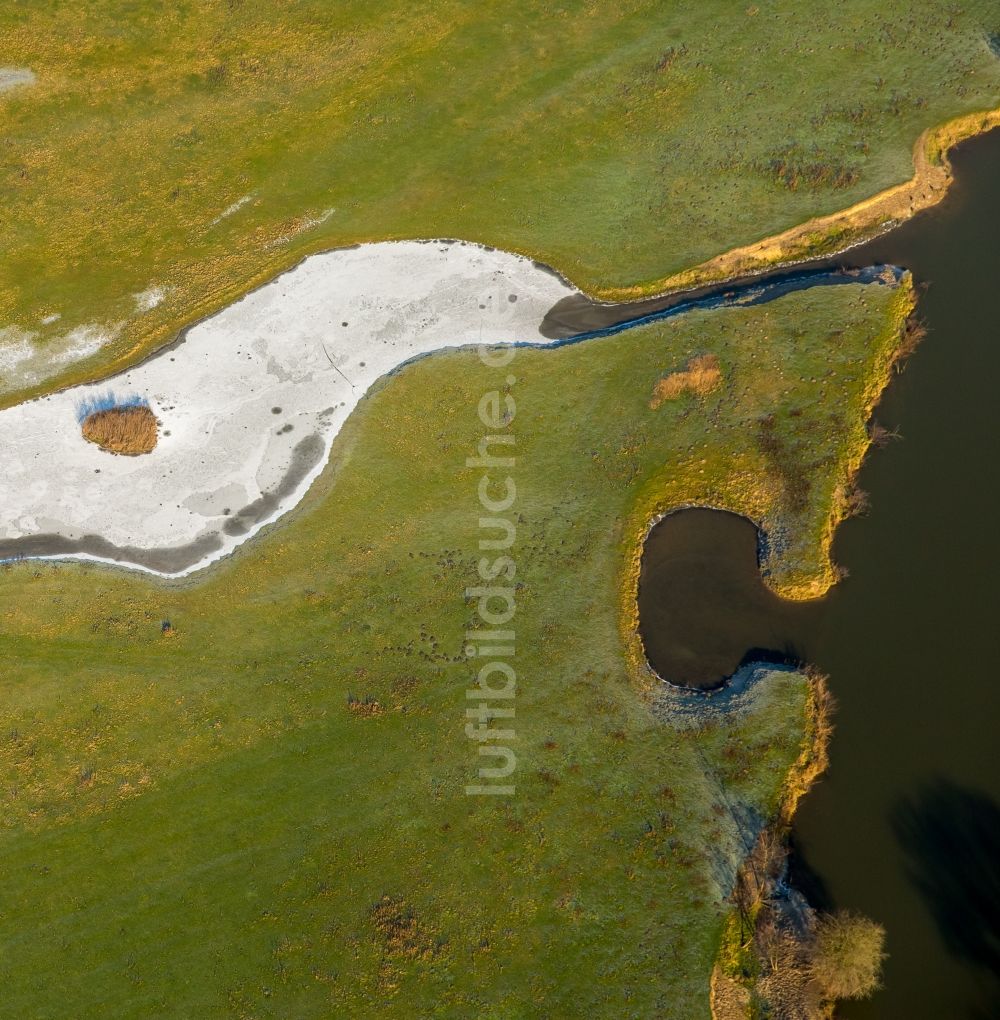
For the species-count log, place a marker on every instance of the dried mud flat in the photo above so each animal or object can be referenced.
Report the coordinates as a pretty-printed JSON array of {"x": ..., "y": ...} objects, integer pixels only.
[{"x": 250, "y": 401}]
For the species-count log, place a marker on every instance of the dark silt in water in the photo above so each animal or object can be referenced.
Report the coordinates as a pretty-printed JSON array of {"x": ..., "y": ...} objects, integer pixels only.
[
  {"x": 905, "y": 827},
  {"x": 306, "y": 454}
]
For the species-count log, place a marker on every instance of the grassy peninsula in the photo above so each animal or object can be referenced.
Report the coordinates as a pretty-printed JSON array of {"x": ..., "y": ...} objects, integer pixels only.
[{"x": 257, "y": 811}]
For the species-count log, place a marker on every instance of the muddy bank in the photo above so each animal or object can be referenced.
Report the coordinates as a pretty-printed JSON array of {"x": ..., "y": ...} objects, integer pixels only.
[{"x": 692, "y": 707}]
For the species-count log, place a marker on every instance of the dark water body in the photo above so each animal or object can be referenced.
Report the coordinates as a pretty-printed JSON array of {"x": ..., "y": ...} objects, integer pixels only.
[
  {"x": 695, "y": 558},
  {"x": 579, "y": 317},
  {"x": 906, "y": 825}
]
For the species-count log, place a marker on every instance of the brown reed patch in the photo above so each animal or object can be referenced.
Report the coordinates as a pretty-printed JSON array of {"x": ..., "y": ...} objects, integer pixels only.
[
  {"x": 701, "y": 376},
  {"x": 127, "y": 430},
  {"x": 402, "y": 936},
  {"x": 366, "y": 706}
]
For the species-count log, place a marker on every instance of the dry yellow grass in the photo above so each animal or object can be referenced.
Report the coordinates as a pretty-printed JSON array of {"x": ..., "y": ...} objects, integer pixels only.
[
  {"x": 701, "y": 376},
  {"x": 127, "y": 430}
]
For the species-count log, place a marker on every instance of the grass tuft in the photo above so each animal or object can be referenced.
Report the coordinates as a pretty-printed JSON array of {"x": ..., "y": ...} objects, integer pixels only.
[
  {"x": 129, "y": 430},
  {"x": 700, "y": 377}
]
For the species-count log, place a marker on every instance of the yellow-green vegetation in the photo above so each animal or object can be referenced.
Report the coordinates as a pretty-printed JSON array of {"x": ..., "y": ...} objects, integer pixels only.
[
  {"x": 700, "y": 377},
  {"x": 188, "y": 152},
  {"x": 202, "y": 821}
]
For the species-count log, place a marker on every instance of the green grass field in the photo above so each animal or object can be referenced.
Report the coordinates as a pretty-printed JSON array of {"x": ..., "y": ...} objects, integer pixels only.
[
  {"x": 619, "y": 143},
  {"x": 200, "y": 824}
]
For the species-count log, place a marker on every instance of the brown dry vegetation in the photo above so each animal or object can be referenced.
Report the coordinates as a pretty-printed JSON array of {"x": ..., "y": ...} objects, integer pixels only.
[
  {"x": 400, "y": 932},
  {"x": 366, "y": 706},
  {"x": 779, "y": 956},
  {"x": 700, "y": 377},
  {"x": 403, "y": 940},
  {"x": 128, "y": 430}
]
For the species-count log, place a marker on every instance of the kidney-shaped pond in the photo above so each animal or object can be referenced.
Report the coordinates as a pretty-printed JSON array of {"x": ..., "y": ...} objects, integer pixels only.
[{"x": 704, "y": 608}]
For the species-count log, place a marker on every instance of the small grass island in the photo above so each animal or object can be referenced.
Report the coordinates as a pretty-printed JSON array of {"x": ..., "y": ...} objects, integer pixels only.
[{"x": 119, "y": 425}]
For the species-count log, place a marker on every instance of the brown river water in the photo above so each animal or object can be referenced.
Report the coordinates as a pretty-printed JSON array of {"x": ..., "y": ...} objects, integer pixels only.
[{"x": 905, "y": 827}]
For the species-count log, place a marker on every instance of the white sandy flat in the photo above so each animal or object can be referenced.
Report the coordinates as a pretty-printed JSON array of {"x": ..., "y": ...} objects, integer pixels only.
[{"x": 250, "y": 401}]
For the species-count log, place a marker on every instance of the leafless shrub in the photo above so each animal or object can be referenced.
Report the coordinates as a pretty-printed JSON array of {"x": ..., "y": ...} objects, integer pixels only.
[
  {"x": 856, "y": 502},
  {"x": 846, "y": 955},
  {"x": 914, "y": 334},
  {"x": 881, "y": 436}
]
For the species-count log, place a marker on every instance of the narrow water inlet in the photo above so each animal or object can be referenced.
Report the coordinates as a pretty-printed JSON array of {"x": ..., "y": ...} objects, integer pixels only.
[{"x": 580, "y": 317}]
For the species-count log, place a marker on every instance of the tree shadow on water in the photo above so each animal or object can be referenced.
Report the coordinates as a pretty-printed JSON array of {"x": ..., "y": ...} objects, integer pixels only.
[
  {"x": 803, "y": 877},
  {"x": 951, "y": 838}
]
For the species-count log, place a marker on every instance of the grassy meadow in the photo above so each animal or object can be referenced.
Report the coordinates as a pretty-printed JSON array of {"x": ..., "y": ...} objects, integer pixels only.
[
  {"x": 169, "y": 158},
  {"x": 260, "y": 813}
]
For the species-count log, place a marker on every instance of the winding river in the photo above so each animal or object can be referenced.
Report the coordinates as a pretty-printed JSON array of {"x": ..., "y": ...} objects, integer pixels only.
[{"x": 250, "y": 400}]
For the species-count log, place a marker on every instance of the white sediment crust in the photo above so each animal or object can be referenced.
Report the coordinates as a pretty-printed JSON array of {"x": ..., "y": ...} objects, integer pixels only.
[
  {"x": 11, "y": 77},
  {"x": 241, "y": 391}
]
